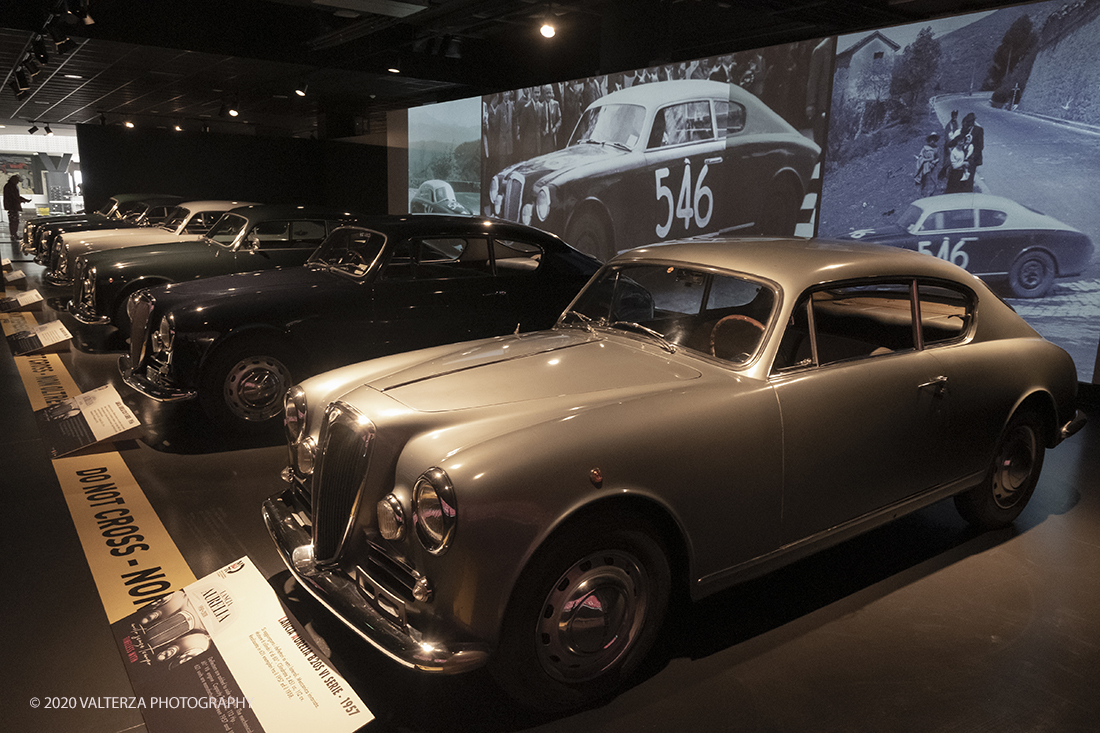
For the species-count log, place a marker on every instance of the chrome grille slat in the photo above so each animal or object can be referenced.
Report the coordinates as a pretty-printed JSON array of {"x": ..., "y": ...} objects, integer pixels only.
[
  {"x": 139, "y": 326},
  {"x": 344, "y": 449},
  {"x": 513, "y": 198}
]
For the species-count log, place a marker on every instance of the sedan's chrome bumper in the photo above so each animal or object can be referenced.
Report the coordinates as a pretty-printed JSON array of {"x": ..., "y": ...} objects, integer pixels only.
[
  {"x": 150, "y": 388},
  {"x": 1072, "y": 426},
  {"x": 341, "y": 595}
]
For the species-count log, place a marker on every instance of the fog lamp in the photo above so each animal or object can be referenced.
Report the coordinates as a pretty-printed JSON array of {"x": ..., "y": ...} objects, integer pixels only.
[{"x": 391, "y": 518}]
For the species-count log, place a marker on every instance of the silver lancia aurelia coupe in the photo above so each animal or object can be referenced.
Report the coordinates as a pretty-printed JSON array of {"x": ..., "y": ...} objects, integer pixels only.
[{"x": 701, "y": 413}]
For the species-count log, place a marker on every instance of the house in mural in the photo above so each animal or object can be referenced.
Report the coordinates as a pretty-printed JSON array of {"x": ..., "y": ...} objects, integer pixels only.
[{"x": 863, "y": 70}]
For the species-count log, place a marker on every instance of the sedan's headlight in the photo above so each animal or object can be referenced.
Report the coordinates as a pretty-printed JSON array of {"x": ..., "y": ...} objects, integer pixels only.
[
  {"x": 165, "y": 334},
  {"x": 494, "y": 194},
  {"x": 542, "y": 203},
  {"x": 435, "y": 511},
  {"x": 294, "y": 414},
  {"x": 87, "y": 287},
  {"x": 63, "y": 259}
]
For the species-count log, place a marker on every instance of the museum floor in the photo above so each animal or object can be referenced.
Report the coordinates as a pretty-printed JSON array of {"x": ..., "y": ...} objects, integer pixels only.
[{"x": 922, "y": 625}]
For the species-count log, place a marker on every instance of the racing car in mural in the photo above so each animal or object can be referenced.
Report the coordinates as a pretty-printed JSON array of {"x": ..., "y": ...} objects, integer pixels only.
[
  {"x": 436, "y": 197},
  {"x": 659, "y": 161},
  {"x": 992, "y": 237}
]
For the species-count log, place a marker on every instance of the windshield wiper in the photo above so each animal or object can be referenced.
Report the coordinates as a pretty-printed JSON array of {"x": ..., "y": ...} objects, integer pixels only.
[
  {"x": 585, "y": 320},
  {"x": 665, "y": 344},
  {"x": 617, "y": 144}
]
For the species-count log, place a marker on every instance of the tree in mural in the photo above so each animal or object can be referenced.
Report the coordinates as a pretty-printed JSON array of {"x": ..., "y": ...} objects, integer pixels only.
[
  {"x": 913, "y": 74},
  {"x": 1017, "y": 43}
]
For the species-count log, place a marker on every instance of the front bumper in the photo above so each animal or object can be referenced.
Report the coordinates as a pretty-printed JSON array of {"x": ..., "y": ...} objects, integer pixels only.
[
  {"x": 284, "y": 514},
  {"x": 155, "y": 387}
]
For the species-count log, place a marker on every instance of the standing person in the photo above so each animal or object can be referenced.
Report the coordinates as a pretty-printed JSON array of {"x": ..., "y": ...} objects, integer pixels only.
[
  {"x": 13, "y": 204},
  {"x": 927, "y": 160},
  {"x": 974, "y": 134},
  {"x": 553, "y": 120},
  {"x": 958, "y": 173}
]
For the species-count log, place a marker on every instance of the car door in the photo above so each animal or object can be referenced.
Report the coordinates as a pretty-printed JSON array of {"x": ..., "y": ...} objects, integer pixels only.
[
  {"x": 434, "y": 290},
  {"x": 952, "y": 235},
  {"x": 687, "y": 173},
  {"x": 860, "y": 403}
]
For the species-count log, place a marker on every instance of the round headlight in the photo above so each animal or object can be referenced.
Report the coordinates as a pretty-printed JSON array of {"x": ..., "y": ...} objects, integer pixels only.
[
  {"x": 525, "y": 214},
  {"x": 434, "y": 510},
  {"x": 87, "y": 285},
  {"x": 542, "y": 203},
  {"x": 162, "y": 339},
  {"x": 294, "y": 414},
  {"x": 494, "y": 194}
]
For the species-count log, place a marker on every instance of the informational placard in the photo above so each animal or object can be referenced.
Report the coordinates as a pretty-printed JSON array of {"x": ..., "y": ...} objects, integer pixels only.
[
  {"x": 5, "y": 265},
  {"x": 45, "y": 337},
  {"x": 222, "y": 655},
  {"x": 84, "y": 420},
  {"x": 16, "y": 279},
  {"x": 30, "y": 300}
]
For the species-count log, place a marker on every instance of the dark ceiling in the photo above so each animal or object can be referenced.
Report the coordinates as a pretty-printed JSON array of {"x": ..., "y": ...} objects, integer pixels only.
[{"x": 168, "y": 62}]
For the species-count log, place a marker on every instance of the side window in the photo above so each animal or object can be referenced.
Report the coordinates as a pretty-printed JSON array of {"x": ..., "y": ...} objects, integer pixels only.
[
  {"x": 945, "y": 313},
  {"x": 308, "y": 233},
  {"x": 271, "y": 234},
  {"x": 512, "y": 256},
  {"x": 862, "y": 320},
  {"x": 437, "y": 258},
  {"x": 402, "y": 262},
  {"x": 991, "y": 218},
  {"x": 200, "y": 222},
  {"x": 682, "y": 123},
  {"x": 730, "y": 116},
  {"x": 958, "y": 219}
]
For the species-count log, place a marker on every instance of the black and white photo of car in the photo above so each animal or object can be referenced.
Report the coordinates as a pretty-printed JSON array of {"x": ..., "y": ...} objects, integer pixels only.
[{"x": 992, "y": 237}]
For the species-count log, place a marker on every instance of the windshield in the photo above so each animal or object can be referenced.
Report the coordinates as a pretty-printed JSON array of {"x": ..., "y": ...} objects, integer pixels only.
[
  {"x": 176, "y": 218},
  {"x": 226, "y": 229},
  {"x": 350, "y": 250},
  {"x": 617, "y": 124},
  {"x": 910, "y": 217},
  {"x": 109, "y": 208},
  {"x": 717, "y": 314}
]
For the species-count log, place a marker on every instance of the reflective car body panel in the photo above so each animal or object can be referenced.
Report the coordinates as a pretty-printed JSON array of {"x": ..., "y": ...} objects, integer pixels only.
[
  {"x": 868, "y": 382},
  {"x": 704, "y": 156},
  {"x": 326, "y": 315},
  {"x": 136, "y": 212},
  {"x": 983, "y": 234}
]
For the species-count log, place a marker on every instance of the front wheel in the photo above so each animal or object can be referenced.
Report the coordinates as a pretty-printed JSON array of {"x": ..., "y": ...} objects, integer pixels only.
[
  {"x": 583, "y": 615},
  {"x": 590, "y": 233},
  {"x": 244, "y": 382},
  {"x": 1011, "y": 479}
]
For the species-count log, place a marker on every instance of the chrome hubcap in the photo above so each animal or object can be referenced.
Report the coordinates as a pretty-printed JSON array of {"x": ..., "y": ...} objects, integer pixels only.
[
  {"x": 1015, "y": 464},
  {"x": 1033, "y": 273},
  {"x": 592, "y": 616},
  {"x": 255, "y": 386}
]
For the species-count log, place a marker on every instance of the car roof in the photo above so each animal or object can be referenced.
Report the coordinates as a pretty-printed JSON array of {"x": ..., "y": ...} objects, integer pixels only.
[
  {"x": 286, "y": 211},
  {"x": 407, "y": 225},
  {"x": 968, "y": 201},
  {"x": 663, "y": 92},
  {"x": 797, "y": 264},
  {"x": 214, "y": 205}
]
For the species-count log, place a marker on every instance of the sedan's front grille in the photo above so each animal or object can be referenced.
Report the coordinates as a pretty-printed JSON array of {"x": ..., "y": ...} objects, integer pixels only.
[
  {"x": 142, "y": 309},
  {"x": 513, "y": 198},
  {"x": 343, "y": 461}
]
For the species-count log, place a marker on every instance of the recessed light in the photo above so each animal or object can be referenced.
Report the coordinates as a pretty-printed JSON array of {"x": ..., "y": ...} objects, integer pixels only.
[{"x": 73, "y": 76}]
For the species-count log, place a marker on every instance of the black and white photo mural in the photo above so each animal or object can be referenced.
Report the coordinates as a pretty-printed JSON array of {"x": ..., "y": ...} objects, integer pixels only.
[
  {"x": 976, "y": 139},
  {"x": 715, "y": 145},
  {"x": 445, "y": 158}
]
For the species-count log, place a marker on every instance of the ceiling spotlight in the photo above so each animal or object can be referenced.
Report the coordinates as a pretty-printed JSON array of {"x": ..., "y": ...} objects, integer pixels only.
[
  {"x": 177, "y": 128},
  {"x": 233, "y": 111},
  {"x": 301, "y": 89},
  {"x": 129, "y": 124},
  {"x": 38, "y": 46},
  {"x": 31, "y": 65},
  {"x": 547, "y": 30},
  {"x": 22, "y": 79},
  {"x": 48, "y": 130},
  {"x": 394, "y": 70},
  {"x": 32, "y": 129},
  {"x": 20, "y": 94}
]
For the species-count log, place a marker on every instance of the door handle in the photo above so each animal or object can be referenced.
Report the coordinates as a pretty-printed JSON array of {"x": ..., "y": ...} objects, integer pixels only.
[
  {"x": 938, "y": 383},
  {"x": 713, "y": 161}
]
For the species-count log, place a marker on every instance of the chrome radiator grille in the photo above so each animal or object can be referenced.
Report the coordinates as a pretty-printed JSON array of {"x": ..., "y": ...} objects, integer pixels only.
[
  {"x": 513, "y": 198},
  {"x": 142, "y": 307},
  {"x": 344, "y": 458}
]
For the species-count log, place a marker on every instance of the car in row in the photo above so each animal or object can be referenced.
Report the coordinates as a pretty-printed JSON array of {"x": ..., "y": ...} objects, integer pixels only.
[
  {"x": 702, "y": 413},
  {"x": 188, "y": 221},
  {"x": 377, "y": 286}
]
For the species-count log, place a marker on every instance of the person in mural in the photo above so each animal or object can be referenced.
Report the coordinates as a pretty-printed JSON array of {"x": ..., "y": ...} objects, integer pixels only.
[
  {"x": 927, "y": 161},
  {"x": 13, "y": 204},
  {"x": 974, "y": 136},
  {"x": 958, "y": 172},
  {"x": 552, "y": 129},
  {"x": 950, "y": 133}
]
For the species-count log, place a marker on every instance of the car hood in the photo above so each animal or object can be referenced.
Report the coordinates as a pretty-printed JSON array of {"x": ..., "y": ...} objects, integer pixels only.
[
  {"x": 566, "y": 159},
  {"x": 134, "y": 236},
  {"x": 274, "y": 286},
  {"x": 878, "y": 234},
  {"x": 559, "y": 363}
]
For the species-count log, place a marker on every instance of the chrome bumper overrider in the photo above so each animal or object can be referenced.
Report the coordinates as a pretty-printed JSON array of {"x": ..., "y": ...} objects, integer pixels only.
[
  {"x": 342, "y": 597},
  {"x": 149, "y": 387},
  {"x": 1072, "y": 426}
]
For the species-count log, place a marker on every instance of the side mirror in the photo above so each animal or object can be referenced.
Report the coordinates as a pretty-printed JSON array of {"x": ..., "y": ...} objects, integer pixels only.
[{"x": 253, "y": 242}]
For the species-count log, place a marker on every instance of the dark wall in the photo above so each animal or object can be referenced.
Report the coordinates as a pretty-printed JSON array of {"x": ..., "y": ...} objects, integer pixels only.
[{"x": 210, "y": 166}]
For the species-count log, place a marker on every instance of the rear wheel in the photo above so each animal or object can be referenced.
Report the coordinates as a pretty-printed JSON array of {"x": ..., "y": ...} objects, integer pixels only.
[
  {"x": 585, "y": 612},
  {"x": 1011, "y": 479},
  {"x": 1032, "y": 275},
  {"x": 244, "y": 382}
]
